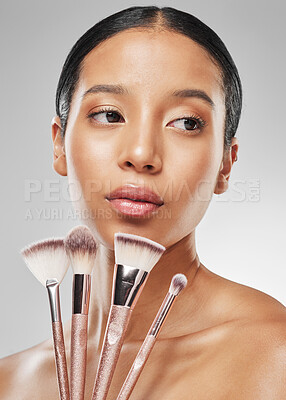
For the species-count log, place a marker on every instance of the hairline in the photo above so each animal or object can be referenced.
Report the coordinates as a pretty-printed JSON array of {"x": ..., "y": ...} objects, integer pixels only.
[{"x": 152, "y": 28}]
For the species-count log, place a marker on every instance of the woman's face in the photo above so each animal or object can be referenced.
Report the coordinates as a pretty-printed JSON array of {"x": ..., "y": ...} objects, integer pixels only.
[{"x": 145, "y": 135}]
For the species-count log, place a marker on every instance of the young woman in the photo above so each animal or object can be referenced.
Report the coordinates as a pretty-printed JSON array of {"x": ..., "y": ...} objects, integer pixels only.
[{"x": 148, "y": 103}]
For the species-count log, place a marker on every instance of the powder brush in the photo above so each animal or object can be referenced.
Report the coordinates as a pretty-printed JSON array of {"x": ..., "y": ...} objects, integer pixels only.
[
  {"x": 81, "y": 248},
  {"x": 135, "y": 256},
  {"x": 48, "y": 262}
]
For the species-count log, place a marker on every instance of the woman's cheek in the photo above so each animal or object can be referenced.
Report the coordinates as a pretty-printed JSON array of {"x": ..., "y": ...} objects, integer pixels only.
[
  {"x": 90, "y": 168},
  {"x": 78, "y": 161},
  {"x": 194, "y": 170}
]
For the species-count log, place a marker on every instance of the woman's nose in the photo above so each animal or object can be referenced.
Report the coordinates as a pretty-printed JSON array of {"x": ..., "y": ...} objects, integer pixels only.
[{"x": 140, "y": 151}]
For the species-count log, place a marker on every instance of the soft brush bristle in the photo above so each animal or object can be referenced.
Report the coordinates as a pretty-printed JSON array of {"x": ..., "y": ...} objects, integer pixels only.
[
  {"x": 179, "y": 282},
  {"x": 46, "y": 259},
  {"x": 81, "y": 248},
  {"x": 136, "y": 251}
]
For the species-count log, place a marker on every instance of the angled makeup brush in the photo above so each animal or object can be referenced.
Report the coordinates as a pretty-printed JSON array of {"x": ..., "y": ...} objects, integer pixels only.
[
  {"x": 178, "y": 283},
  {"x": 135, "y": 256},
  {"x": 47, "y": 260},
  {"x": 81, "y": 248}
]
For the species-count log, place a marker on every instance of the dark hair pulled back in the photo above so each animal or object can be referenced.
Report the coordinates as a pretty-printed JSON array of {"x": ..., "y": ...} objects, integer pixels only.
[{"x": 166, "y": 18}]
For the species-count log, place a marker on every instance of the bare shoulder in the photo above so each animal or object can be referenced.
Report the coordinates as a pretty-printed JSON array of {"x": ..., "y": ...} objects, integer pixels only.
[
  {"x": 23, "y": 374},
  {"x": 254, "y": 311},
  {"x": 241, "y": 301},
  {"x": 258, "y": 350},
  {"x": 256, "y": 341}
]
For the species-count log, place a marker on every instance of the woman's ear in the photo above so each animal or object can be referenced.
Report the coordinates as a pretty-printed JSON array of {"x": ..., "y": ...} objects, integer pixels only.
[
  {"x": 59, "y": 164},
  {"x": 230, "y": 156}
]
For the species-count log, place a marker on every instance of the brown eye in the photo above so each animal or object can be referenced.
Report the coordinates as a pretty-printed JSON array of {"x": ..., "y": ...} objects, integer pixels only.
[
  {"x": 105, "y": 116},
  {"x": 112, "y": 116},
  {"x": 189, "y": 123}
]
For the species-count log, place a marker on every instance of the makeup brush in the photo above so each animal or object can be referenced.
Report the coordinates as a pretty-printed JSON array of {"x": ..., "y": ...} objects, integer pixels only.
[
  {"x": 81, "y": 248},
  {"x": 48, "y": 262},
  {"x": 178, "y": 283},
  {"x": 135, "y": 256}
]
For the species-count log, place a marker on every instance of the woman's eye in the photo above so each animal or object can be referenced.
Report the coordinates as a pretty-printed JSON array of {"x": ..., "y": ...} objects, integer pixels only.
[
  {"x": 109, "y": 116},
  {"x": 106, "y": 116},
  {"x": 189, "y": 124}
]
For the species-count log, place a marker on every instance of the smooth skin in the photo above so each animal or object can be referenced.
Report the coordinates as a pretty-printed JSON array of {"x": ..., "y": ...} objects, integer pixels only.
[{"x": 222, "y": 340}]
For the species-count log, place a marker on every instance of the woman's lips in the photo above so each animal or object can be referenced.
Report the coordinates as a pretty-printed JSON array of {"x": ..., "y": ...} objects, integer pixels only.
[
  {"x": 132, "y": 207},
  {"x": 134, "y": 200}
]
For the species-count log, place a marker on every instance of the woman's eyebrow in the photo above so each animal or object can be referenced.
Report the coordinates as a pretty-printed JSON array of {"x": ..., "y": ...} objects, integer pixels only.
[
  {"x": 116, "y": 89},
  {"x": 119, "y": 89},
  {"x": 200, "y": 94}
]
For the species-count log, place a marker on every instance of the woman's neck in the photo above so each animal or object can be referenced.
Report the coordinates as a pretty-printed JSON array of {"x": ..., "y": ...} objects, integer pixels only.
[{"x": 179, "y": 258}]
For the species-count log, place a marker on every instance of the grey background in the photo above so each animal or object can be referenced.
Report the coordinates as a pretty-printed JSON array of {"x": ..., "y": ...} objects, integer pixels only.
[{"x": 241, "y": 237}]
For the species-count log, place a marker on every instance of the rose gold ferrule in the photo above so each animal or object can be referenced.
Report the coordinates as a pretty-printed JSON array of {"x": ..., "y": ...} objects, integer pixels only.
[
  {"x": 128, "y": 283},
  {"x": 52, "y": 286},
  {"x": 162, "y": 314},
  {"x": 81, "y": 293}
]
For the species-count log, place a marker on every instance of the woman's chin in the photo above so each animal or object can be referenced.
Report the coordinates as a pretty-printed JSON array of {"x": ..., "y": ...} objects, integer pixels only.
[{"x": 104, "y": 231}]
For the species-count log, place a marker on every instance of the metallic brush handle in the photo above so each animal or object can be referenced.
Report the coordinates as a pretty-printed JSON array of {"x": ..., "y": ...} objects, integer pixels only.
[
  {"x": 146, "y": 347},
  {"x": 60, "y": 358},
  {"x": 114, "y": 335},
  {"x": 137, "y": 368},
  {"x": 78, "y": 355},
  {"x": 52, "y": 286}
]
